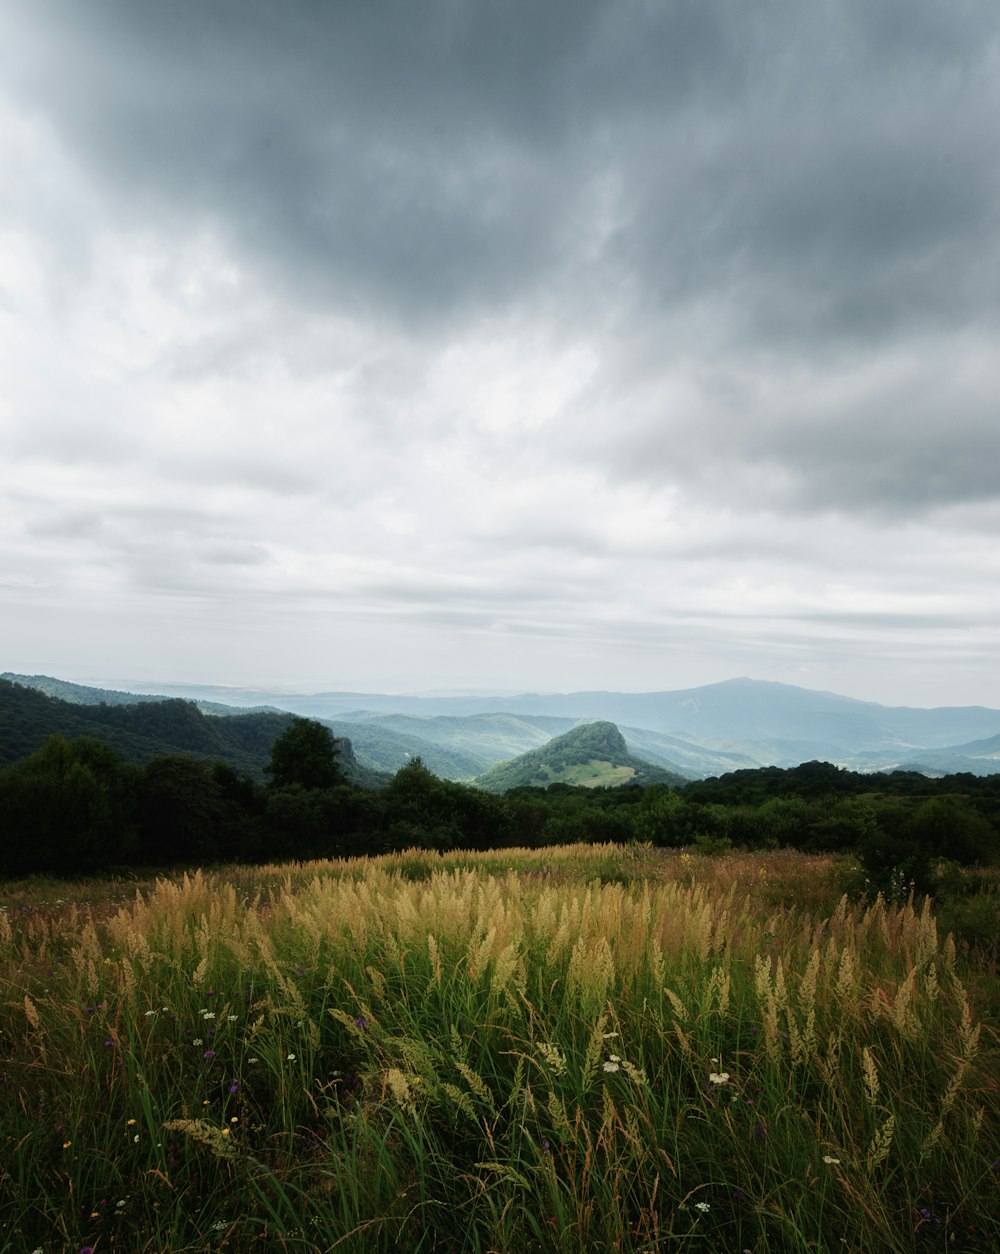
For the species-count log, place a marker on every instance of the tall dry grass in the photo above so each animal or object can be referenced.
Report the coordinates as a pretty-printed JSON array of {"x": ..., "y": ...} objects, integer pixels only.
[{"x": 580, "y": 1048}]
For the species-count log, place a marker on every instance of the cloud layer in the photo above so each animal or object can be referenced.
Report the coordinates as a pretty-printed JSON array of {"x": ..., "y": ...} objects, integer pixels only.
[{"x": 505, "y": 345}]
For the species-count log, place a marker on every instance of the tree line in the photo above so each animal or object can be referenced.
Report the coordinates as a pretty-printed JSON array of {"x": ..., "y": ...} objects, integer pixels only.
[{"x": 77, "y": 807}]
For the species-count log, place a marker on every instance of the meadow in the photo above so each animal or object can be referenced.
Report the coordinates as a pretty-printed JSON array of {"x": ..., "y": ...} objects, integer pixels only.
[{"x": 588, "y": 1047}]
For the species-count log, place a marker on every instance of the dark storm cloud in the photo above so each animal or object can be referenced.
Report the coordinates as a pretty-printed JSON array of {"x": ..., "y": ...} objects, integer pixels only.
[
  {"x": 890, "y": 436},
  {"x": 427, "y": 159}
]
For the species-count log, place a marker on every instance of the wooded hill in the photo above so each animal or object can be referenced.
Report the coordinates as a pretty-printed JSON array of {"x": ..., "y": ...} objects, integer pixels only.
[
  {"x": 594, "y": 755},
  {"x": 142, "y": 730}
]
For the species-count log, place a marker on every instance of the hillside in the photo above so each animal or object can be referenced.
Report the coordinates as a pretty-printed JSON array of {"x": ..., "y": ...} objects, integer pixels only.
[
  {"x": 452, "y": 747},
  {"x": 723, "y": 726},
  {"x": 85, "y": 694},
  {"x": 148, "y": 729},
  {"x": 593, "y": 755},
  {"x": 696, "y": 732}
]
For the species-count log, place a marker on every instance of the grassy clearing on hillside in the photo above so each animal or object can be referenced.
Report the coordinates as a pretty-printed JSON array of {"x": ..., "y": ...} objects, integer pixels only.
[{"x": 579, "y": 1048}]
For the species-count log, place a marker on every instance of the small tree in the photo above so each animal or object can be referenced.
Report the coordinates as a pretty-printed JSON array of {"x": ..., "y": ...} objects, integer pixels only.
[{"x": 305, "y": 754}]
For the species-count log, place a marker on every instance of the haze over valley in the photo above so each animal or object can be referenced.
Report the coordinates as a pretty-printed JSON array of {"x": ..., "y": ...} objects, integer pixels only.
[{"x": 689, "y": 734}]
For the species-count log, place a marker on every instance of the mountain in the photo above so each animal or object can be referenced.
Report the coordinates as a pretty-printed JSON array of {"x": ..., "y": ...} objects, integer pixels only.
[
  {"x": 380, "y": 748},
  {"x": 452, "y": 747},
  {"x": 85, "y": 694},
  {"x": 593, "y": 755},
  {"x": 147, "y": 729},
  {"x": 695, "y": 732},
  {"x": 734, "y": 713},
  {"x": 979, "y": 757}
]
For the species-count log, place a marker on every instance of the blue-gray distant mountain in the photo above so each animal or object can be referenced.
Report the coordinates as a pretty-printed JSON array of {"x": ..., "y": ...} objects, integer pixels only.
[
  {"x": 737, "y": 710},
  {"x": 696, "y": 731}
]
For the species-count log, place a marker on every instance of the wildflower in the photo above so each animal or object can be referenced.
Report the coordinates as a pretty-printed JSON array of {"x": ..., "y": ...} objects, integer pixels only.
[
  {"x": 610, "y": 1066},
  {"x": 614, "y": 1058},
  {"x": 360, "y": 1022},
  {"x": 109, "y": 1044},
  {"x": 719, "y": 1077},
  {"x": 232, "y": 1018},
  {"x": 234, "y": 1087},
  {"x": 148, "y": 1013},
  {"x": 235, "y": 1119},
  {"x": 208, "y": 1014},
  {"x": 129, "y": 1123},
  {"x": 67, "y": 1144},
  {"x": 208, "y": 1054},
  {"x": 136, "y": 1138},
  {"x": 197, "y": 1041},
  {"x": 702, "y": 1206},
  {"x": 290, "y": 1058},
  {"x": 830, "y": 1160},
  {"x": 253, "y": 1060}
]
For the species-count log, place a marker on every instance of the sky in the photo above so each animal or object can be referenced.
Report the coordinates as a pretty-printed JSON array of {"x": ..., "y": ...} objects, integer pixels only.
[{"x": 496, "y": 345}]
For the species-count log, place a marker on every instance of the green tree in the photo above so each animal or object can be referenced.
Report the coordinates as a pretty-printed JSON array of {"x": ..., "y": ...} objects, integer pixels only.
[
  {"x": 67, "y": 808},
  {"x": 304, "y": 754}
]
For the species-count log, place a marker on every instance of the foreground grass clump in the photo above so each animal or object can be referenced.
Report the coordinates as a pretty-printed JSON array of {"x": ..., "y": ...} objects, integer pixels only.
[{"x": 586, "y": 1048}]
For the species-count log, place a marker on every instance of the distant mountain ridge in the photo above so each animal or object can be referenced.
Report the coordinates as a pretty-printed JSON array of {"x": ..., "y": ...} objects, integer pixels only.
[
  {"x": 693, "y": 732},
  {"x": 750, "y": 710}
]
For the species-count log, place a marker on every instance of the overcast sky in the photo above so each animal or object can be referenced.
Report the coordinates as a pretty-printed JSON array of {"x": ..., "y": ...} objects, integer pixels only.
[{"x": 502, "y": 345}]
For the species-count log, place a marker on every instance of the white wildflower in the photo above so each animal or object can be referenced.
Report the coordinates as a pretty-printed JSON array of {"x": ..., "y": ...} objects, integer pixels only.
[
  {"x": 718, "y": 1077},
  {"x": 610, "y": 1066}
]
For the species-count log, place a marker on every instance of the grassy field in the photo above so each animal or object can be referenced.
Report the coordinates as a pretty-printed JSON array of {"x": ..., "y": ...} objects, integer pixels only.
[{"x": 583, "y": 1048}]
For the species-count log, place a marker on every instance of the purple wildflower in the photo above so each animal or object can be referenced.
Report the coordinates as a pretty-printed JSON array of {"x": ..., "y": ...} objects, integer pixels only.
[{"x": 208, "y": 1054}]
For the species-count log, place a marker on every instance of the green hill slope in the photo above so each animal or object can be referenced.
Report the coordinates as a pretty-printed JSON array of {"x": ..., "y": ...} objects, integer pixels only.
[
  {"x": 148, "y": 729},
  {"x": 593, "y": 755},
  {"x": 453, "y": 747}
]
